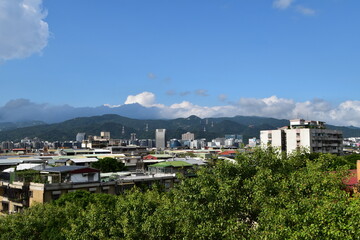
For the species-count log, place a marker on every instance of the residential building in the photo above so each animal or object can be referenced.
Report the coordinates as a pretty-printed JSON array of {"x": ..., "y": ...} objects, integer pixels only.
[
  {"x": 253, "y": 142},
  {"x": 188, "y": 136},
  {"x": 170, "y": 167},
  {"x": 309, "y": 135},
  {"x": 105, "y": 135}
]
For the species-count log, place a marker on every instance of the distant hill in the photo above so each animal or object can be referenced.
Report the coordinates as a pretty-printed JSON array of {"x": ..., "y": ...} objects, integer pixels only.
[
  {"x": 4, "y": 126},
  {"x": 208, "y": 128}
]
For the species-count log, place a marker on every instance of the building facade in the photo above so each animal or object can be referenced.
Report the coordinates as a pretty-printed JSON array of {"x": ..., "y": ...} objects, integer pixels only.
[
  {"x": 188, "y": 136},
  {"x": 301, "y": 134},
  {"x": 160, "y": 138}
]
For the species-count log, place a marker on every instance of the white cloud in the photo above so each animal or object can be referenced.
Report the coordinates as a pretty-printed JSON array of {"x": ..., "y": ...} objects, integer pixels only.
[
  {"x": 305, "y": 10},
  {"x": 146, "y": 99},
  {"x": 23, "y": 30},
  {"x": 346, "y": 113},
  {"x": 282, "y": 4}
]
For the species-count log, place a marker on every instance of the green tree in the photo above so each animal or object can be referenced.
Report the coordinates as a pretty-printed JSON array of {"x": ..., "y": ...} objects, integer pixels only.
[
  {"x": 108, "y": 164},
  {"x": 264, "y": 195}
]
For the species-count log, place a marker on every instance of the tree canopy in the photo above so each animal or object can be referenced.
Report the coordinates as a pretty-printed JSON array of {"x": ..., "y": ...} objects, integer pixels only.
[
  {"x": 264, "y": 195},
  {"x": 108, "y": 164}
]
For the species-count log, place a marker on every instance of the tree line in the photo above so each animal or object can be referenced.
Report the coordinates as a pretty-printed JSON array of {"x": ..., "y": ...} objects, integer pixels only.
[{"x": 264, "y": 195}]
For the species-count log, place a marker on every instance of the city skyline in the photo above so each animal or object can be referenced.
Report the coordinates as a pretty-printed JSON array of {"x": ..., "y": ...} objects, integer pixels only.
[{"x": 282, "y": 58}]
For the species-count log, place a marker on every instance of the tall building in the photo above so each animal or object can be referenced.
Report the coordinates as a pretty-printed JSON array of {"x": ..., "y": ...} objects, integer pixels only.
[
  {"x": 105, "y": 135},
  {"x": 188, "y": 136},
  {"x": 160, "y": 138},
  {"x": 234, "y": 136},
  {"x": 310, "y": 135},
  {"x": 80, "y": 137},
  {"x": 252, "y": 142}
]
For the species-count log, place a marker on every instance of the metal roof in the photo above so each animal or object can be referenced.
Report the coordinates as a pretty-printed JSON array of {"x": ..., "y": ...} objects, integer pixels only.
[
  {"x": 171, "y": 164},
  {"x": 84, "y": 160},
  {"x": 63, "y": 169}
]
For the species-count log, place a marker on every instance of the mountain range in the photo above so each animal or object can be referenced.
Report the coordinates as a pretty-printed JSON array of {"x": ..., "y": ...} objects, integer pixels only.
[{"x": 208, "y": 128}]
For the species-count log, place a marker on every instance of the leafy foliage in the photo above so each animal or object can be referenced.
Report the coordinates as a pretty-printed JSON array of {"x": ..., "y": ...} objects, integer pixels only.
[
  {"x": 264, "y": 195},
  {"x": 108, "y": 164},
  {"x": 29, "y": 175}
]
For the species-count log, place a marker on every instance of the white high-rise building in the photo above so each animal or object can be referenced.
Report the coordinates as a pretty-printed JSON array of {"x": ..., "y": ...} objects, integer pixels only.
[
  {"x": 160, "y": 138},
  {"x": 80, "y": 137},
  {"x": 310, "y": 135},
  {"x": 188, "y": 136}
]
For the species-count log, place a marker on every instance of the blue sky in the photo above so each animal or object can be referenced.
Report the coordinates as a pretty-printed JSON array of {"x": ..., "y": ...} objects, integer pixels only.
[{"x": 204, "y": 53}]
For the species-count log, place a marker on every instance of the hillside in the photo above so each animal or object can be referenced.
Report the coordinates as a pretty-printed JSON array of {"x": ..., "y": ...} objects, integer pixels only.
[{"x": 203, "y": 128}]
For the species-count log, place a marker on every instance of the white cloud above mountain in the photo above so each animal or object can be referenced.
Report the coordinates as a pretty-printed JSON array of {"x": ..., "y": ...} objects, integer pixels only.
[
  {"x": 346, "y": 113},
  {"x": 144, "y": 105},
  {"x": 23, "y": 30},
  {"x": 146, "y": 99}
]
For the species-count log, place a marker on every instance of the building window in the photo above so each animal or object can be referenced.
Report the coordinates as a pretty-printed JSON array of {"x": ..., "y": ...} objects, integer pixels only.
[{"x": 91, "y": 177}]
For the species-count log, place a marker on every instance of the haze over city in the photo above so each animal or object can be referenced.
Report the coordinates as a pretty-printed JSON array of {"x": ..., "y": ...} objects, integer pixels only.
[{"x": 282, "y": 59}]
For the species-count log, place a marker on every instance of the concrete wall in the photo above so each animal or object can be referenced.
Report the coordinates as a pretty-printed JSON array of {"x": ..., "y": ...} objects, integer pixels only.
[{"x": 81, "y": 177}]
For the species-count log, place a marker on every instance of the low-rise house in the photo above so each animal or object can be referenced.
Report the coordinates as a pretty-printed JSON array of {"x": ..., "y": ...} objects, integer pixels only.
[
  {"x": 81, "y": 161},
  {"x": 228, "y": 154},
  {"x": 71, "y": 174},
  {"x": 141, "y": 180},
  {"x": 49, "y": 184},
  {"x": 72, "y": 152},
  {"x": 157, "y": 157},
  {"x": 170, "y": 167},
  {"x": 33, "y": 166}
]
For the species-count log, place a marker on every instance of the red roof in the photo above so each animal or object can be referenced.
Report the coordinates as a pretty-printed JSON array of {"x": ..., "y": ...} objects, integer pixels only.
[
  {"x": 229, "y": 152},
  {"x": 19, "y": 149},
  {"x": 352, "y": 180}
]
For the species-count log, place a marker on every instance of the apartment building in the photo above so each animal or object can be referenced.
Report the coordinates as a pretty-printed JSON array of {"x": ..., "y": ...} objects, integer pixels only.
[{"x": 310, "y": 135}]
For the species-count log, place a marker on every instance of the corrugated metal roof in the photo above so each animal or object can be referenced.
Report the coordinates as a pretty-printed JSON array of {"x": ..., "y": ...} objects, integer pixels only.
[{"x": 64, "y": 169}]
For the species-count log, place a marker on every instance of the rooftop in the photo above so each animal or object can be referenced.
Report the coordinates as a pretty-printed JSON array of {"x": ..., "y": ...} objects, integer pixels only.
[
  {"x": 65, "y": 169},
  {"x": 172, "y": 164}
]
